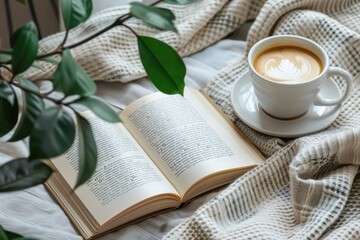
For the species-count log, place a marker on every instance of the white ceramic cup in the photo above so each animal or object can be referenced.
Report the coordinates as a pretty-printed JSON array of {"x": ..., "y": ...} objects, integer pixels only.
[{"x": 291, "y": 100}]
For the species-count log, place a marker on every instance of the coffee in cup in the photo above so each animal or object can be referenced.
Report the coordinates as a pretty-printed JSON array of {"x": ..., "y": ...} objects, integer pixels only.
[
  {"x": 288, "y": 64},
  {"x": 287, "y": 73}
]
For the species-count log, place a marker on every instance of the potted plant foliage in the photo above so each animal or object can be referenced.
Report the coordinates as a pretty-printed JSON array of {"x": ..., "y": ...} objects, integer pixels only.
[{"x": 49, "y": 122}]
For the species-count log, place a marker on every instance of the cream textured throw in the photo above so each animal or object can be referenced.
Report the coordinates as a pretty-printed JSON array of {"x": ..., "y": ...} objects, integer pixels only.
[{"x": 309, "y": 187}]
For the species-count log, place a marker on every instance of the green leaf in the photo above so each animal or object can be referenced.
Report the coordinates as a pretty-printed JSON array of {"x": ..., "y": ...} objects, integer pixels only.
[
  {"x": 3, "y": 235},
  {"x": 21, "y": 173},
  {"x": 24, "y": 43},
  {"x": 162, "y": 64},
  {"x": 5, "y": 57},
  {"x": 71, "y": 79},
  {"x": 52, "y": 135},
  {"x": 158, "y": 17},
  {"x": 180, "y": 2},
  {"x": 87, "y": 152},
  {"x": 21, "y": 1},
  {"x": 75, "y": 12},
  {"x": 8, "y": 108},
  {"x": 37, "y": 66},
  {"x": 8, "y": 119},
  {"x": 32, "y": 106},
  {"x": 50, "y": 59},
  {"x": 7, "y": 235},
  {"x": 101, "y": 109},
  {"x": 7, "y": 92}
]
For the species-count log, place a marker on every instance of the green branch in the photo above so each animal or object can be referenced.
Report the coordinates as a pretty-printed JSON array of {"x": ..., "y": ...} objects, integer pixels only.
[{"x": 119, "y": 21}]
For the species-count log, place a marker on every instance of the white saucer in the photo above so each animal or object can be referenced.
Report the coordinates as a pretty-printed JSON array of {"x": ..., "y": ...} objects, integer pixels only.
[{"x": 248, "y": 110}]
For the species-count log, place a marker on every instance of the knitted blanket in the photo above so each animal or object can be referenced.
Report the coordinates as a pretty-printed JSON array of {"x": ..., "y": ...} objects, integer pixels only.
[{"x": 308, "y": 188}]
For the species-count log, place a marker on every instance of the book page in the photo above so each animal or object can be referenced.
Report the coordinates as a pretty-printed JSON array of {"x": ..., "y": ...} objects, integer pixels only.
[
  {"x": 124, "y": 174},
  {"x": 185, "y": 138}
]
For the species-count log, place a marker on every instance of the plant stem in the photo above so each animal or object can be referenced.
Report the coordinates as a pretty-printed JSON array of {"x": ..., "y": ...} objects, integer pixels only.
[
  {"x": 92, "y": 36},
  {"x": 50, "y": 91},
  {"x": 64, "y": 41},
  {"x": 6, "y": 67},
  {"x": 60, "y": 50},
  {"x": 117, "y": 22},
  {"x": 12, "y": 82},
  {"x": 132, "y": 30},
  {"x": 36, "y": 93}
]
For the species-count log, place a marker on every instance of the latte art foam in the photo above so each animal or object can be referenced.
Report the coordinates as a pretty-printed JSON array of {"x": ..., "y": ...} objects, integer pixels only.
[{"x": 288, "y": 64}]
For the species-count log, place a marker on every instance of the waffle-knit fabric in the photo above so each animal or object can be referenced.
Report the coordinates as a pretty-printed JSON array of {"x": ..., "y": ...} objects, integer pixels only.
[
  {"x": 308, "y": 188},
  {"x": 113, "y": 56}
]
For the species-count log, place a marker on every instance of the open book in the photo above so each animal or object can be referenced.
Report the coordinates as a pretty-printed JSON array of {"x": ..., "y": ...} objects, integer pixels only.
[{"x": 167, "y": 150}]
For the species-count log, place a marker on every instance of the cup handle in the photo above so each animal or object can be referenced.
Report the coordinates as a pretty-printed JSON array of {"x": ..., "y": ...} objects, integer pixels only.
[{"x": 335, "y": 71}]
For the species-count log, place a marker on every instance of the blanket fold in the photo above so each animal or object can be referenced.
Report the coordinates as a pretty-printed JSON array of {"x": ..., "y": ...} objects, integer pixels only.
[{"x": 113, "y": 56}]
